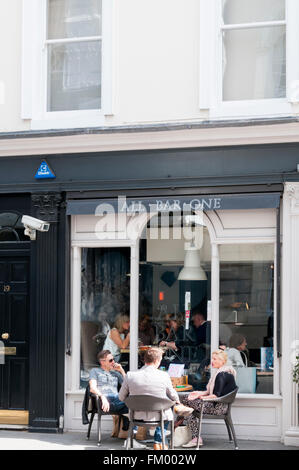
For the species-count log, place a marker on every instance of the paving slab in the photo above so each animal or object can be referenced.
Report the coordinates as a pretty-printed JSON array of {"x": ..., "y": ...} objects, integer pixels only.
[{"x": 24, "y": 440}]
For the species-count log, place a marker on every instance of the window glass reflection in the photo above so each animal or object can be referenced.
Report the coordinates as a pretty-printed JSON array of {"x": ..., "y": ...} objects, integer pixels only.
[
  {"x": 105, "y": 306},
  {"x": 174, "y": 289},
  {"x": 246, "y": 314}
]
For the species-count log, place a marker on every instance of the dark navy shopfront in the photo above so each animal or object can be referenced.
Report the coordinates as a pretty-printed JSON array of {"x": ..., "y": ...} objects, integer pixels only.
[{"x": 38, "y": 272}]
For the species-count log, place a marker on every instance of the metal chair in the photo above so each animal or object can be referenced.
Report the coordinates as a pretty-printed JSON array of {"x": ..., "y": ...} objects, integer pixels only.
[
  {"x": 149, "y": 403},
  {"x": 95, "y": 407},
  {"x": 227, "y": 399}
]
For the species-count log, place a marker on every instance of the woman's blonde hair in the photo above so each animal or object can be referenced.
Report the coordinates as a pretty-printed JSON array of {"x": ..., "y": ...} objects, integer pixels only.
[
  {"x": 177, "y": 318},
  {"x": 120, "y": 319},
  {"x": 222, "y": 354}
]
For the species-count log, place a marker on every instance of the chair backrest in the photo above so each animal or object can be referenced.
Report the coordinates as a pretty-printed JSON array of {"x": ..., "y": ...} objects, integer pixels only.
[
  {"x": 230, "y": 397},
  {"x": 148, "y": 403}
]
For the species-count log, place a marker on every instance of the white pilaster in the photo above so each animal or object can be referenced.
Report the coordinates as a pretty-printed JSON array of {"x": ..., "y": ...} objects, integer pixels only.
[
  {"x": 76, "y": 309},
  {"x": 215, "y": 296},
  {"x": 134, "y": 300},
  {"x": 289, "y": 314}
]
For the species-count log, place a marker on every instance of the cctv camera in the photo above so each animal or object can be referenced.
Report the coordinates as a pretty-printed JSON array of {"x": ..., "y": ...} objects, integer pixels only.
[
  {"x": 31, "y": 225},
  {"x": 35, "y": 224}
]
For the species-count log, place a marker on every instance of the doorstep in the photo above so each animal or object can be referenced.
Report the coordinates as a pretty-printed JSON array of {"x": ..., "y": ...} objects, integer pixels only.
[{"x": 14, "y": 418}]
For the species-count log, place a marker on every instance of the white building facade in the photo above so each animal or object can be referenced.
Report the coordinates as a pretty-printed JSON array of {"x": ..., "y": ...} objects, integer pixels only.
[{"x": 167, "y": 101}]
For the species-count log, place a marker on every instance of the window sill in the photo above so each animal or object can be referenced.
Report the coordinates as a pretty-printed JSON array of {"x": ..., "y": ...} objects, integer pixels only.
[
  {"x": 257, "y": 396},
  {"x": 251, "y": 108},
  {"x": 69, "y": 120}
]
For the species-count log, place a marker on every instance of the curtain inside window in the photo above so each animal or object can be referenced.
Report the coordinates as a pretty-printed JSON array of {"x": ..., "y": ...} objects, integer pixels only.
[
  {"x": 74, "y": 18},
  {"x": 74, "y": 68},
  {"x": 252, "y": 11},
  {"x": 254, "y": 60}
]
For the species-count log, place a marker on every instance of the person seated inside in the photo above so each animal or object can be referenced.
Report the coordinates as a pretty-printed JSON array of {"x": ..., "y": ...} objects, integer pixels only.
[
  {"x": 202, "y": 332},
  {"x": 221, "y": 383},
  {"x": 146, "y": 331},
  {"x": 179, "y": 339},
  {"x": 163, "y": 335},
  {"x": 236, "y": 350},
  {"x": 149, "y": 380},
  {"x": 118, "y": 337}
]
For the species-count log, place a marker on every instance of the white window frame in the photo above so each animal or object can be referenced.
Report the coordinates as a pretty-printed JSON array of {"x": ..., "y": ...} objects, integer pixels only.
[
  {"x": 210, "y": 88},
  {"x": 34, "y": 72}
]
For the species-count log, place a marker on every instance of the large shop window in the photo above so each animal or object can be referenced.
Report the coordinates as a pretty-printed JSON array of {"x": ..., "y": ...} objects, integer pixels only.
[
  {"x": 247, "y": 313},
  {"x": 174, "y": 290},
  {"x": 105, "y": 306},
  {"x": 176, "y": 310}
]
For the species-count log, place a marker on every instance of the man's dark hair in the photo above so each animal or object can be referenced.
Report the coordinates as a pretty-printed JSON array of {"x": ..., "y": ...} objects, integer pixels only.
[
  {"x": 198, "y": 312},
  {"x": 236, "y": 340},
  {"x": 103, "y": 354}
]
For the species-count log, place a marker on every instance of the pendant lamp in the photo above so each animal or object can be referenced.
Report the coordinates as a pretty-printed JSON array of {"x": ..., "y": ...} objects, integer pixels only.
[{"x": 192, "y": 270}]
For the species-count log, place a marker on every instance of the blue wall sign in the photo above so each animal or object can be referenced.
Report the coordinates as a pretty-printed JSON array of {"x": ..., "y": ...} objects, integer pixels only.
[{"x": 44, "y": 171}]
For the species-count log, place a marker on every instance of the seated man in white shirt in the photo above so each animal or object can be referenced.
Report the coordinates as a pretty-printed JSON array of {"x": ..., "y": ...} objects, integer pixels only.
[{"x": 150, "y": 381}]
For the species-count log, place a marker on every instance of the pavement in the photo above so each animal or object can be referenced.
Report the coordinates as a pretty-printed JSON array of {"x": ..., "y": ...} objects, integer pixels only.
[{"x": 24, "y": 440}]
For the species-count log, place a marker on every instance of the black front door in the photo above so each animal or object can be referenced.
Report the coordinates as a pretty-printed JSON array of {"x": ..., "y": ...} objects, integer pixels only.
[{"x": 14, "y": 332}]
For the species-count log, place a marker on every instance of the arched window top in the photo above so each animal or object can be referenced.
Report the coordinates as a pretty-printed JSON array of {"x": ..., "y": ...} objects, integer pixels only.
[{"x": 11, "y": 227}]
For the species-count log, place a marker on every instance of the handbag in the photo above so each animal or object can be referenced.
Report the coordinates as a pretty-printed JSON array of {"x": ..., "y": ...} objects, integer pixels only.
[
  {"x": 246, "y": 379},
  {"x": 182, "y": 435},
  {"x": 141, "y": 433},
  {"x": 117, "y": 430}
]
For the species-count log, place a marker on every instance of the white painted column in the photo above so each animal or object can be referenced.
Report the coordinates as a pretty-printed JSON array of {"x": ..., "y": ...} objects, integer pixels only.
[
  {"x": 134, "y": 303},
  {"x": 76, "y": 318},
  {"x": 215, "y": 287},
  {"x": 290, "y": 309}
]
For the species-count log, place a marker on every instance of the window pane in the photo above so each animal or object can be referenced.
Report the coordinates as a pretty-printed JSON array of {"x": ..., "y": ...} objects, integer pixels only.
[
  {"x": 105, "y": 304},
  {"x": 254, "y": 64},
  {"x": 246, "y": 313},
  {"x": 252, "y": 11},
  {"x": 74, "y": 76},
  {"x": 162, "y": 301},
  {"x": 74, "y": 18}
]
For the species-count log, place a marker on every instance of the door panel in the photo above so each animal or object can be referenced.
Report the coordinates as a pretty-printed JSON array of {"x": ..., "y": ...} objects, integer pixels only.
[
  {"x": 14, "y": 321},
  {"x": 17, "y": 384}
]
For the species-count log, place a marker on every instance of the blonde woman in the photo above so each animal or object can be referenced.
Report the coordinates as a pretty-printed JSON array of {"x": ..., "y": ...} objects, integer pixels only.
[
  {"x": 221, "y": 383},
  {"x": 116, "y": 339}
]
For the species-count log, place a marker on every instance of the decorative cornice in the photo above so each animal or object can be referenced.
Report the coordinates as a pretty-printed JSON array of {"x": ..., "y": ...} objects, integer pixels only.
[{"x": 120, "y": 139}]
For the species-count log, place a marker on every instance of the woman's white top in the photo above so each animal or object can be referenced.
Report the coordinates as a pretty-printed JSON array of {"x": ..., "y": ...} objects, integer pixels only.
[
  {"x": 235, "y": 357},
  {"x": 111, "y": 345}
]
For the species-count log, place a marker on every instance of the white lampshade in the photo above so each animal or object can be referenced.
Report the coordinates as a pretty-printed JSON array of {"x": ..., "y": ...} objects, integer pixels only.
[{"x": 192, "y": 270}]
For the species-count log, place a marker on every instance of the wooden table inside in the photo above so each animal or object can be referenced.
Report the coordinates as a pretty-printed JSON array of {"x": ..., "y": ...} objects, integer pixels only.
[
  {"x": 183, "y": 388},
  {"x": 264, "y": 373},
  {"x": 141, "y": 349}
]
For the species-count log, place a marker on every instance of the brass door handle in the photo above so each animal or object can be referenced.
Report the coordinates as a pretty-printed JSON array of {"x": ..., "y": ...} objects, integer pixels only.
[{"x": 5, "y": 335}]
